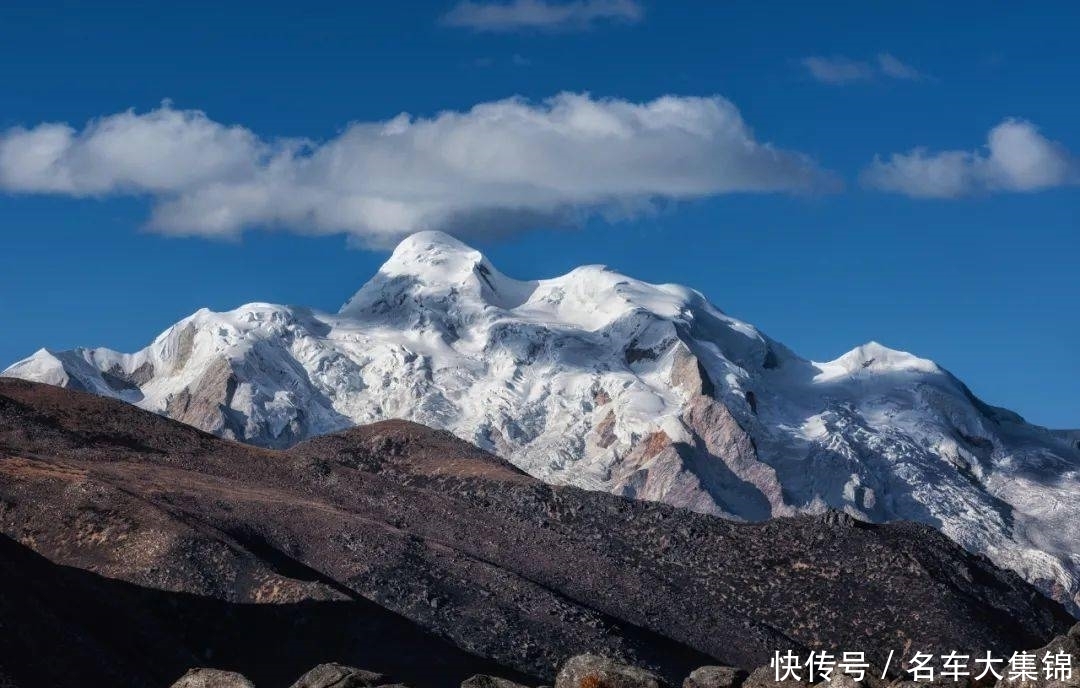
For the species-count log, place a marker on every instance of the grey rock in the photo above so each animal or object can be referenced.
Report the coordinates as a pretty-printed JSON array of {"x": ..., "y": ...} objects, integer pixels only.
[
  {"x": 988, "y": 681},
  {"x": 212, "y": 678},
  {"x": 592, "y": 671},
  {"x": 1074, "y": 632},
  {"x": 334, "y": 675},
  {"x": 765, "y": 677},
  {"x": 715, "y": 677},
  {"x": 839, "y": 680},
  {"x": 485, "y": 681}
]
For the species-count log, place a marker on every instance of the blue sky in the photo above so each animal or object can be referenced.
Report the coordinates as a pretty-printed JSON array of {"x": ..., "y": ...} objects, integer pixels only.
[{"x": 968, "y": 257}]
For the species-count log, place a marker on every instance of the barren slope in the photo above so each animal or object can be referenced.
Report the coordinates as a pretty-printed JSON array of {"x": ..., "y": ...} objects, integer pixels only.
[{"x": 466, "y": 546}]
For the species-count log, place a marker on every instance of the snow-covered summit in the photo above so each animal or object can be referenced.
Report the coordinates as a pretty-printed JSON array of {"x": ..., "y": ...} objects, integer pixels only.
[
  {"x": 431, "y": 267},
  {"x": 434, "y": 255},
  {"x": 872, "y": 358},
  {"x": 600, "y": 380}
]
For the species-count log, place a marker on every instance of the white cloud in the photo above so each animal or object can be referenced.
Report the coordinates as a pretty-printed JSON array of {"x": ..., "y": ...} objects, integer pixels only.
[
  {"x": 839, "y": 70},
  {"x": 161, "y": 151},
  {"x": 545, "y": 15},
  {"x": 1016, "y": 158},
  {"x": 892, "y": 67},
  {"x": 499, "y": 166}
]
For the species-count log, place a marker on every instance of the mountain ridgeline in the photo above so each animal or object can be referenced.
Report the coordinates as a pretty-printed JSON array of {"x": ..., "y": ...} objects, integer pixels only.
[{"x": 597, "y": 380}]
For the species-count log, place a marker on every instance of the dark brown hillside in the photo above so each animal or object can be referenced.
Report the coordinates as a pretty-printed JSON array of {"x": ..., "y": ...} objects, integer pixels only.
[
  {"x": 67, "y": 627},
  {"x": 465, "y": 546}
]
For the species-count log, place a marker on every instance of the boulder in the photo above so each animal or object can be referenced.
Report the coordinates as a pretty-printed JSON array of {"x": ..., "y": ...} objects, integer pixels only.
[
  {"x": 1074, "y": 632},
  {"x": 839, "y": 679},
  {"x": 485, "y": 681},
  {"x": 765, "y": 677},
  {"x": 340, "y": 676},
  {"x": 212, "y": 678},
  {"x": 715, "y": 677},
  {"x": 591, "y": 671}
]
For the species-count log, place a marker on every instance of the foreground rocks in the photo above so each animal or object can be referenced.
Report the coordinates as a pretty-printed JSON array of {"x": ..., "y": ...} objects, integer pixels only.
[
  {"x": 334, "y": 675},
  {"x": 595, "y": 671},
  {"x": 591, "y": 671},
  {"x": 484, "y": 681},
  {"x": 765, "y": 677},
  {"x": 839, "y": 680},
  {"x": 212, "y": 678},
  {"x": 715, "y": 677}
]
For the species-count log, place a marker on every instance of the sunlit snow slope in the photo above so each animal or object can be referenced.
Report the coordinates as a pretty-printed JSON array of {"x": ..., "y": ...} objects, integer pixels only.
[{"x": 605, "y": 382}]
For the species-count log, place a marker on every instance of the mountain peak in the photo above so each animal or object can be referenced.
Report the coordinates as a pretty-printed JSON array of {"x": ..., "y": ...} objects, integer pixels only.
[
  {"x": 431, "y": 251},
  {"x": 874, "y": 357},
  {"x": 435, "y": 263},
  {"x": 432, "y": 238}
]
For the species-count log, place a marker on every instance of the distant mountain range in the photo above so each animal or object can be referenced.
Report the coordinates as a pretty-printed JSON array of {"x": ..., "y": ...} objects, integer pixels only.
[
  {"x": 601, "y": 381},
  {"x": 133, "y": 547}
]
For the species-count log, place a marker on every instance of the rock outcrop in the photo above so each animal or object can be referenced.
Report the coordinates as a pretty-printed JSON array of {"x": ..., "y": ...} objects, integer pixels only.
[{"x": 592, "y": 671}]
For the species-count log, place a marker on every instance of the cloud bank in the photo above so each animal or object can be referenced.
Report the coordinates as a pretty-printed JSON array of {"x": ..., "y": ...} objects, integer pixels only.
[
  {"x": 542, "y": 15},
  {"x": 840, "y": 70},
  {"x": 498, "y": 167},
  {"x": 1016, "y": 158}
]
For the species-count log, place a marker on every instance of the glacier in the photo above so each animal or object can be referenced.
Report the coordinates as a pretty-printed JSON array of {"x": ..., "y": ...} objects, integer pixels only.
[{"x": 605, "y": 382}]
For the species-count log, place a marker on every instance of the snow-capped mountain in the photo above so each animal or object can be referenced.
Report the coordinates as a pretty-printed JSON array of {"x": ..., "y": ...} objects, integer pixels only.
[{"x": 605, "y": 382}]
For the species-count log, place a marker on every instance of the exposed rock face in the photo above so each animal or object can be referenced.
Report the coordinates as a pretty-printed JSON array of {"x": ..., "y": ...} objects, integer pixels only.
[
  {"x": 395, "y": 535},
  {"x": 715, "y": 677},
  {"x": 712, "y": 467},
  {"x": 205, "y": 404},
  {"x": 212, "y": 678},
  {"x": 591, "y": 671},
  {"x": 333, "y": 675}
]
